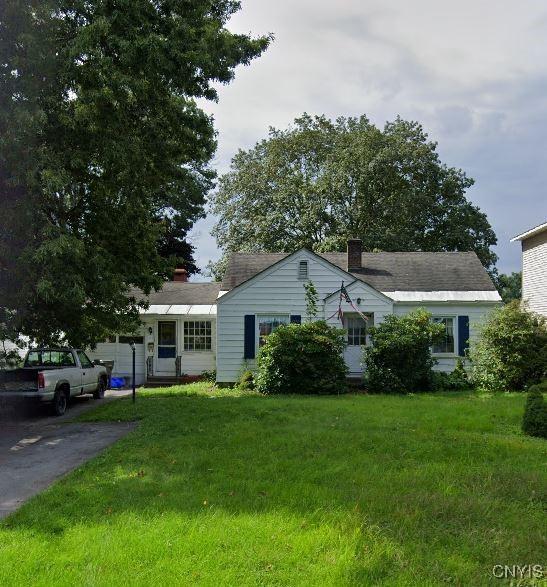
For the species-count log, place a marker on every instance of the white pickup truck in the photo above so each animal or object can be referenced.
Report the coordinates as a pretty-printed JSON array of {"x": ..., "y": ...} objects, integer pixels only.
[{"x": 54, "y": 375}]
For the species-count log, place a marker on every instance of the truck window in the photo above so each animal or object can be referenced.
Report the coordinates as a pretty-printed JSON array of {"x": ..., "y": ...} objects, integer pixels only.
[
  {"x": 84, "y": 360},
  {"x": 33, "y": 359},
  {"x": 51, "y": 358}
]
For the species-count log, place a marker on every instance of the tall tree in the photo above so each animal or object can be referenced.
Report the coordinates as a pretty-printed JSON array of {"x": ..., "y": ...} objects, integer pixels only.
[
  {"x": 104, "y": 153},
  {"x": 321, "y": 181}
]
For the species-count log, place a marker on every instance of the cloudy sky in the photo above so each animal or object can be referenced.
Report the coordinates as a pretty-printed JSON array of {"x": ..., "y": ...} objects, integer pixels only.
[{"x": 474, "y": 73}]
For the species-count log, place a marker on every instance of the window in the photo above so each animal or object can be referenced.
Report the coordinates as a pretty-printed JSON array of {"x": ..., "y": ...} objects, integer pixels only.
[
  {"x": 84, "y": 360},
  {"x": 303, "y": 270},
  {"x": 267, "y": 324},
  {"x": 197, "y": 335},
  {"x": 446, "y": 345},
  {"x": 50, "y": 359},
  {"x": 357, "y": 331}
]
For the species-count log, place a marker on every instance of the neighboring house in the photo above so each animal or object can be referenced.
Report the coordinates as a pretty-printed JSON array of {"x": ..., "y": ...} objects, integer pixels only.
[
  {"x": 191, "y": 327},
  {"x": 534, "y": 267}
]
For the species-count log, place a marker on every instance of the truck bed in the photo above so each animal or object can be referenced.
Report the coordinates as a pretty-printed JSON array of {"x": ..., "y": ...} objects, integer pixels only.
[{"x": 24, "y": 379}]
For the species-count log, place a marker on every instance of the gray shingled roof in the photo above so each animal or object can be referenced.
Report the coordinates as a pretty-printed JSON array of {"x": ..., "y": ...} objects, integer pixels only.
[
  {"x": 421, "y": 271},
  {"x": 178, "y": 292}
]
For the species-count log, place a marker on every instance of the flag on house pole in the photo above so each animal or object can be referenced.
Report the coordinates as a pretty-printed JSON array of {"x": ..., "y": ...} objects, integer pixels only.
[{"x": 346, "y": 297}]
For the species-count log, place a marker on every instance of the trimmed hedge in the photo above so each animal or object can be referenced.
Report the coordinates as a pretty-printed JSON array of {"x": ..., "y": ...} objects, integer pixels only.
[
  {"x": 302, "y": 358},
  {"x": 534, "y": 422}
]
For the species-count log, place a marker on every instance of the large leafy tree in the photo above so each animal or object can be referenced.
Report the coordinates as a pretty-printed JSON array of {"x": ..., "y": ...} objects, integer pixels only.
[
  {"x": 104, "y": 152},
  {"x": 321, "y": 181},
  {"x": 510, "y": 286}
]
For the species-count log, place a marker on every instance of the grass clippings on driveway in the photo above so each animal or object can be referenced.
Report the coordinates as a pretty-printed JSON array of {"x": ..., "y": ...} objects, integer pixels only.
[{"x": 350, "y": 490}]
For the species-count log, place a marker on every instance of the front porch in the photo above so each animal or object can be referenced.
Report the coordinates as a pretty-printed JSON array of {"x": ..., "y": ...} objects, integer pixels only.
[{"x": 178, "y": 348}]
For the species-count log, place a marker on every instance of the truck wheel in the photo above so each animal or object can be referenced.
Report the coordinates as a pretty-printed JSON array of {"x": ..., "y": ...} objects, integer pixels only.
[
  {"x": 60, "y": 402},
  {"x": 99, "y": 392}
]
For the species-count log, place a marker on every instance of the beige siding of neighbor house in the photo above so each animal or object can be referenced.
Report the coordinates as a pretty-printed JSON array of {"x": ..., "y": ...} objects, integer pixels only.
[{"x": 534, "y": 272}]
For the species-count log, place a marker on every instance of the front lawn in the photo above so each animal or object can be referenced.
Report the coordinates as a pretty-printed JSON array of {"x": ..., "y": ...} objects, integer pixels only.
[{"x": 227, "y": 490}]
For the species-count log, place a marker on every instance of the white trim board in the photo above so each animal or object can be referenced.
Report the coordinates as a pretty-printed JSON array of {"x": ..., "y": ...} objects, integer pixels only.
[
  {"x": 529, "y": 233},
  {"x": 443, "y": 296}
]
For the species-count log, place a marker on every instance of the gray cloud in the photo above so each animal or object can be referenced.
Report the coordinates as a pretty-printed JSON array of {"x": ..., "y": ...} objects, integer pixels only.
[{"x": 473, "y": 73}]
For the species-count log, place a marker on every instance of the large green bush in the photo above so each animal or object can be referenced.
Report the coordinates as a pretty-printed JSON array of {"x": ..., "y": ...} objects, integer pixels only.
[
  {"x": 534, "y": 422},
  {"x": 399, "y": 360},
  {"x": 511, "y": 352},
  {"x": 302, "y": 358}
]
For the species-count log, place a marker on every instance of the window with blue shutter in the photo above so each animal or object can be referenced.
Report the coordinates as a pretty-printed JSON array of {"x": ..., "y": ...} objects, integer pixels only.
[
  {"x": 249, "y": 337},
  {"x": 296, "y": 319},
  {"x": 463, "y": 334}
]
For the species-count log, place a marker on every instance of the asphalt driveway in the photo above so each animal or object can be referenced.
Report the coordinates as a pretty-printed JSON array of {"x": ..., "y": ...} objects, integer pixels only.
[{"x": 35, "y": 450}]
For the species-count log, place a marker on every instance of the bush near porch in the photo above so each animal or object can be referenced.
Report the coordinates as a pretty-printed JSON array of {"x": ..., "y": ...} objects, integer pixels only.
[
  {"x": 302, "y": 358},
  {"x": 399, "y": 359}
]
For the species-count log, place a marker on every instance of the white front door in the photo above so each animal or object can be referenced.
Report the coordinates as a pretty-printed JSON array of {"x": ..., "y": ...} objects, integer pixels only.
[
  {"x": 166, "y": 354},
  {"x": 356, "y": 333}
]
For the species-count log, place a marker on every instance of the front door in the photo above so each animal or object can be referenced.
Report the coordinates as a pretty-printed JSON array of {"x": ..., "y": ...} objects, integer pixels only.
[
  {"x": 356, "y": 334},
  {"x": 167, "y": 348}
]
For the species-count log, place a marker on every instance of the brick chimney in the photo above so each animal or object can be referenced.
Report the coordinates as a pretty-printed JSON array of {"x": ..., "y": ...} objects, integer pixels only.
[
  {"x": 180, "y": 275},
  {"x": 355, "y": 248}
]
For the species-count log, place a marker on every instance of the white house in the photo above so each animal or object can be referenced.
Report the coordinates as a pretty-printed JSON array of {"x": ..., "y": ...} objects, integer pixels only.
[
  {"x": 177, "y": 336},
  {"x": 534, "y": 267},
  {"x": 192, "y": 327}
]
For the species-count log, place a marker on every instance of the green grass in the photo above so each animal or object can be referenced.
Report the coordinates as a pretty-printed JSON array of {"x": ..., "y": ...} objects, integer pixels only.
[{"x": 216, "y": 488}]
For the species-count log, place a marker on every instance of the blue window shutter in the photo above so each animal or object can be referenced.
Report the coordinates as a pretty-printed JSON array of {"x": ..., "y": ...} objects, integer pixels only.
[
  {"x": 296, "y": 319},
  {"x": 463, "y": 334},
  {"x": 250, "y": 341}
]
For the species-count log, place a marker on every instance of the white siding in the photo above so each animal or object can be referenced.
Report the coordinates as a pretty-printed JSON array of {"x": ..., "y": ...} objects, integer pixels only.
[
  {"x": 534, "y": 272},
  {"x": 279, "y": 291},
  {"x": 193, "y": 362},
  {"x": 477, "y": 312},
  {"x": 121, "y": 354}
]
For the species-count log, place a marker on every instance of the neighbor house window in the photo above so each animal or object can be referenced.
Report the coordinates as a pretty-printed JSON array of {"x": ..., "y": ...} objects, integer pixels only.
[
  {"x": 446, "y": 344},
  {"x": 303, "y": 270},
  {"x": 197, "y": 335},
  {"x": 267, "y": 324}
]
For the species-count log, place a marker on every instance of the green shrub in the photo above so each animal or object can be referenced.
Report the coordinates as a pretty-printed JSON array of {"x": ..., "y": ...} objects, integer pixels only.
[
  {"x": 210, "y": 376},
  {"x": 246, "y": 381},
  {"x": 302, "y": 358},
  {"x": 534, "y": 422},
  {"x": 399, "y": 360},
  {"x": 455, "y": 381},
  {"x": 511, "y": 352}
]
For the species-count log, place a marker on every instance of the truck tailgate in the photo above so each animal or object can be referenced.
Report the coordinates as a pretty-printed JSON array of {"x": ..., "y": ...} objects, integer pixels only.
[{"x": 18, "y": 380}]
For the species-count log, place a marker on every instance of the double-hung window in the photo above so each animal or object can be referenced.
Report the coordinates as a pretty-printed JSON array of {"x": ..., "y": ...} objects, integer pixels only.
[
  {"x": 197, "y": 335},
  {"x": 447, "y": 344},
  {"x": 267, "y": 324}
]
